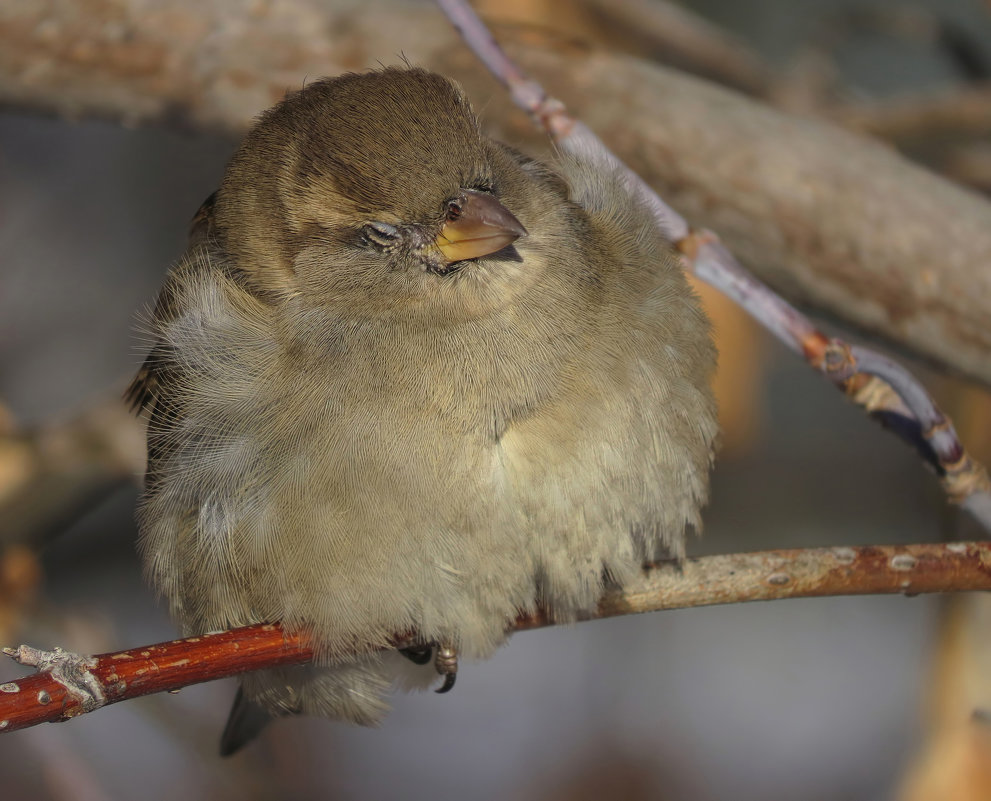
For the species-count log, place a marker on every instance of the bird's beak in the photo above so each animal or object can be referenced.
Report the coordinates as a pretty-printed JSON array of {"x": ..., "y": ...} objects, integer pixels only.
[{"x": 483, "y": 226}]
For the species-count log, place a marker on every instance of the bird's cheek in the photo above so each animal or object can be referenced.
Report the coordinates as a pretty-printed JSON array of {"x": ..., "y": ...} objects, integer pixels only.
[{"x": 321, "y": 269}]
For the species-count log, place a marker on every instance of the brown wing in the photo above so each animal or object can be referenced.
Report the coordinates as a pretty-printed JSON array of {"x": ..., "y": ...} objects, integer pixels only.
[{"x": 142, "y": 392}]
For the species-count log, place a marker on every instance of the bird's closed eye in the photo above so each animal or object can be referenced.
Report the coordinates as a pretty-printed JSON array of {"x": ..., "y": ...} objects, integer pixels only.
[{"x": 381, "y": 234}]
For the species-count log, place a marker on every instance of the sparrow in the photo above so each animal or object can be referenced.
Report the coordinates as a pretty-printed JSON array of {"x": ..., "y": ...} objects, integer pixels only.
[{"x": 407, "y": 379}]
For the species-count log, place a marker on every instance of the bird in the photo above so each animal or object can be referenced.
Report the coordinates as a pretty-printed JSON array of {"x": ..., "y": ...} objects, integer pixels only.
[{"x": 406, "y": 379}]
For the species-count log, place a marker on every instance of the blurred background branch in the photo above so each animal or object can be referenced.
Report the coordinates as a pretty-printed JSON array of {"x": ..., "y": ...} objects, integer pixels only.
[{"x": 51, "y": 474}]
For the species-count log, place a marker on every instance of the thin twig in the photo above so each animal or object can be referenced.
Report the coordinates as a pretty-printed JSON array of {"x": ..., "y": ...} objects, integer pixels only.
[
  {"x": 68, "y": 685},
  {"x": 921, "y": 423}
]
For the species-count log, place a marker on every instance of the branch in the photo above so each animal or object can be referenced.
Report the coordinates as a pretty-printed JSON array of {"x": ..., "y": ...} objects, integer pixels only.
[
  {"x": 828, "y": 218},
  {"x": 963, "y": 112},
  {"x": 893, "y": 395},
  {"x": 50, "y": 474},
  {"x": 675, "y": 35},
  {"x": 68, "y": 685}
]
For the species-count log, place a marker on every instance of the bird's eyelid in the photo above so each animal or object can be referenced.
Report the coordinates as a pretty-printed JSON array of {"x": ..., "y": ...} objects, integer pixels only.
[{"x": 380, "y": 233}]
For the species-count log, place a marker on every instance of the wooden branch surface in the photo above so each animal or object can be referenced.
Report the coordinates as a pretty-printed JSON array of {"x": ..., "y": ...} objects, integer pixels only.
[
  {"x": 824, "y": 216},
  {"x": 68, "y": 685}
]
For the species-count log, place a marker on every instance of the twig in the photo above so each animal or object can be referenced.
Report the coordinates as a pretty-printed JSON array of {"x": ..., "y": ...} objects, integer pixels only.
[
  {"x": 50, "y": 474},
  {"x": 925, "y": 426},
  {"x": 68, "y": 685}
]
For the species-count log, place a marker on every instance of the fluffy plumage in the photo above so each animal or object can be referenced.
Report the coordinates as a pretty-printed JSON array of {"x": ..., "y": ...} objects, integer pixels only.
[{"x": 349, "y": 434}]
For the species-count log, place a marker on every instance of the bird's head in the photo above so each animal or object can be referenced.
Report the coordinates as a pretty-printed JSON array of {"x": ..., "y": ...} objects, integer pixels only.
[{"x": 375, "y": 192}]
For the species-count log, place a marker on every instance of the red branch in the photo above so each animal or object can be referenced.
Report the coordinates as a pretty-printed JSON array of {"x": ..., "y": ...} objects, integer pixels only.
[{"x": 67, "y": 685}]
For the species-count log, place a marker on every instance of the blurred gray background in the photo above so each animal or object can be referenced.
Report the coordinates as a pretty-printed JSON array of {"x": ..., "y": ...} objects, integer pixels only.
[{"x": 811, "y": 699}]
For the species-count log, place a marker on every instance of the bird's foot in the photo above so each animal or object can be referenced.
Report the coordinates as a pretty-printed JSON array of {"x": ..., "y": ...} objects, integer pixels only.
[
  {"x": 445, "y": 661},
  {"x": 418, "y": 654},
  {"x": 446, "y": 665}
]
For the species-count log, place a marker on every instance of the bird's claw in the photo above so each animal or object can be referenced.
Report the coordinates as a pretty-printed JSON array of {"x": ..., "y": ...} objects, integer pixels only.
[{"x": 446, "y": 665}]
